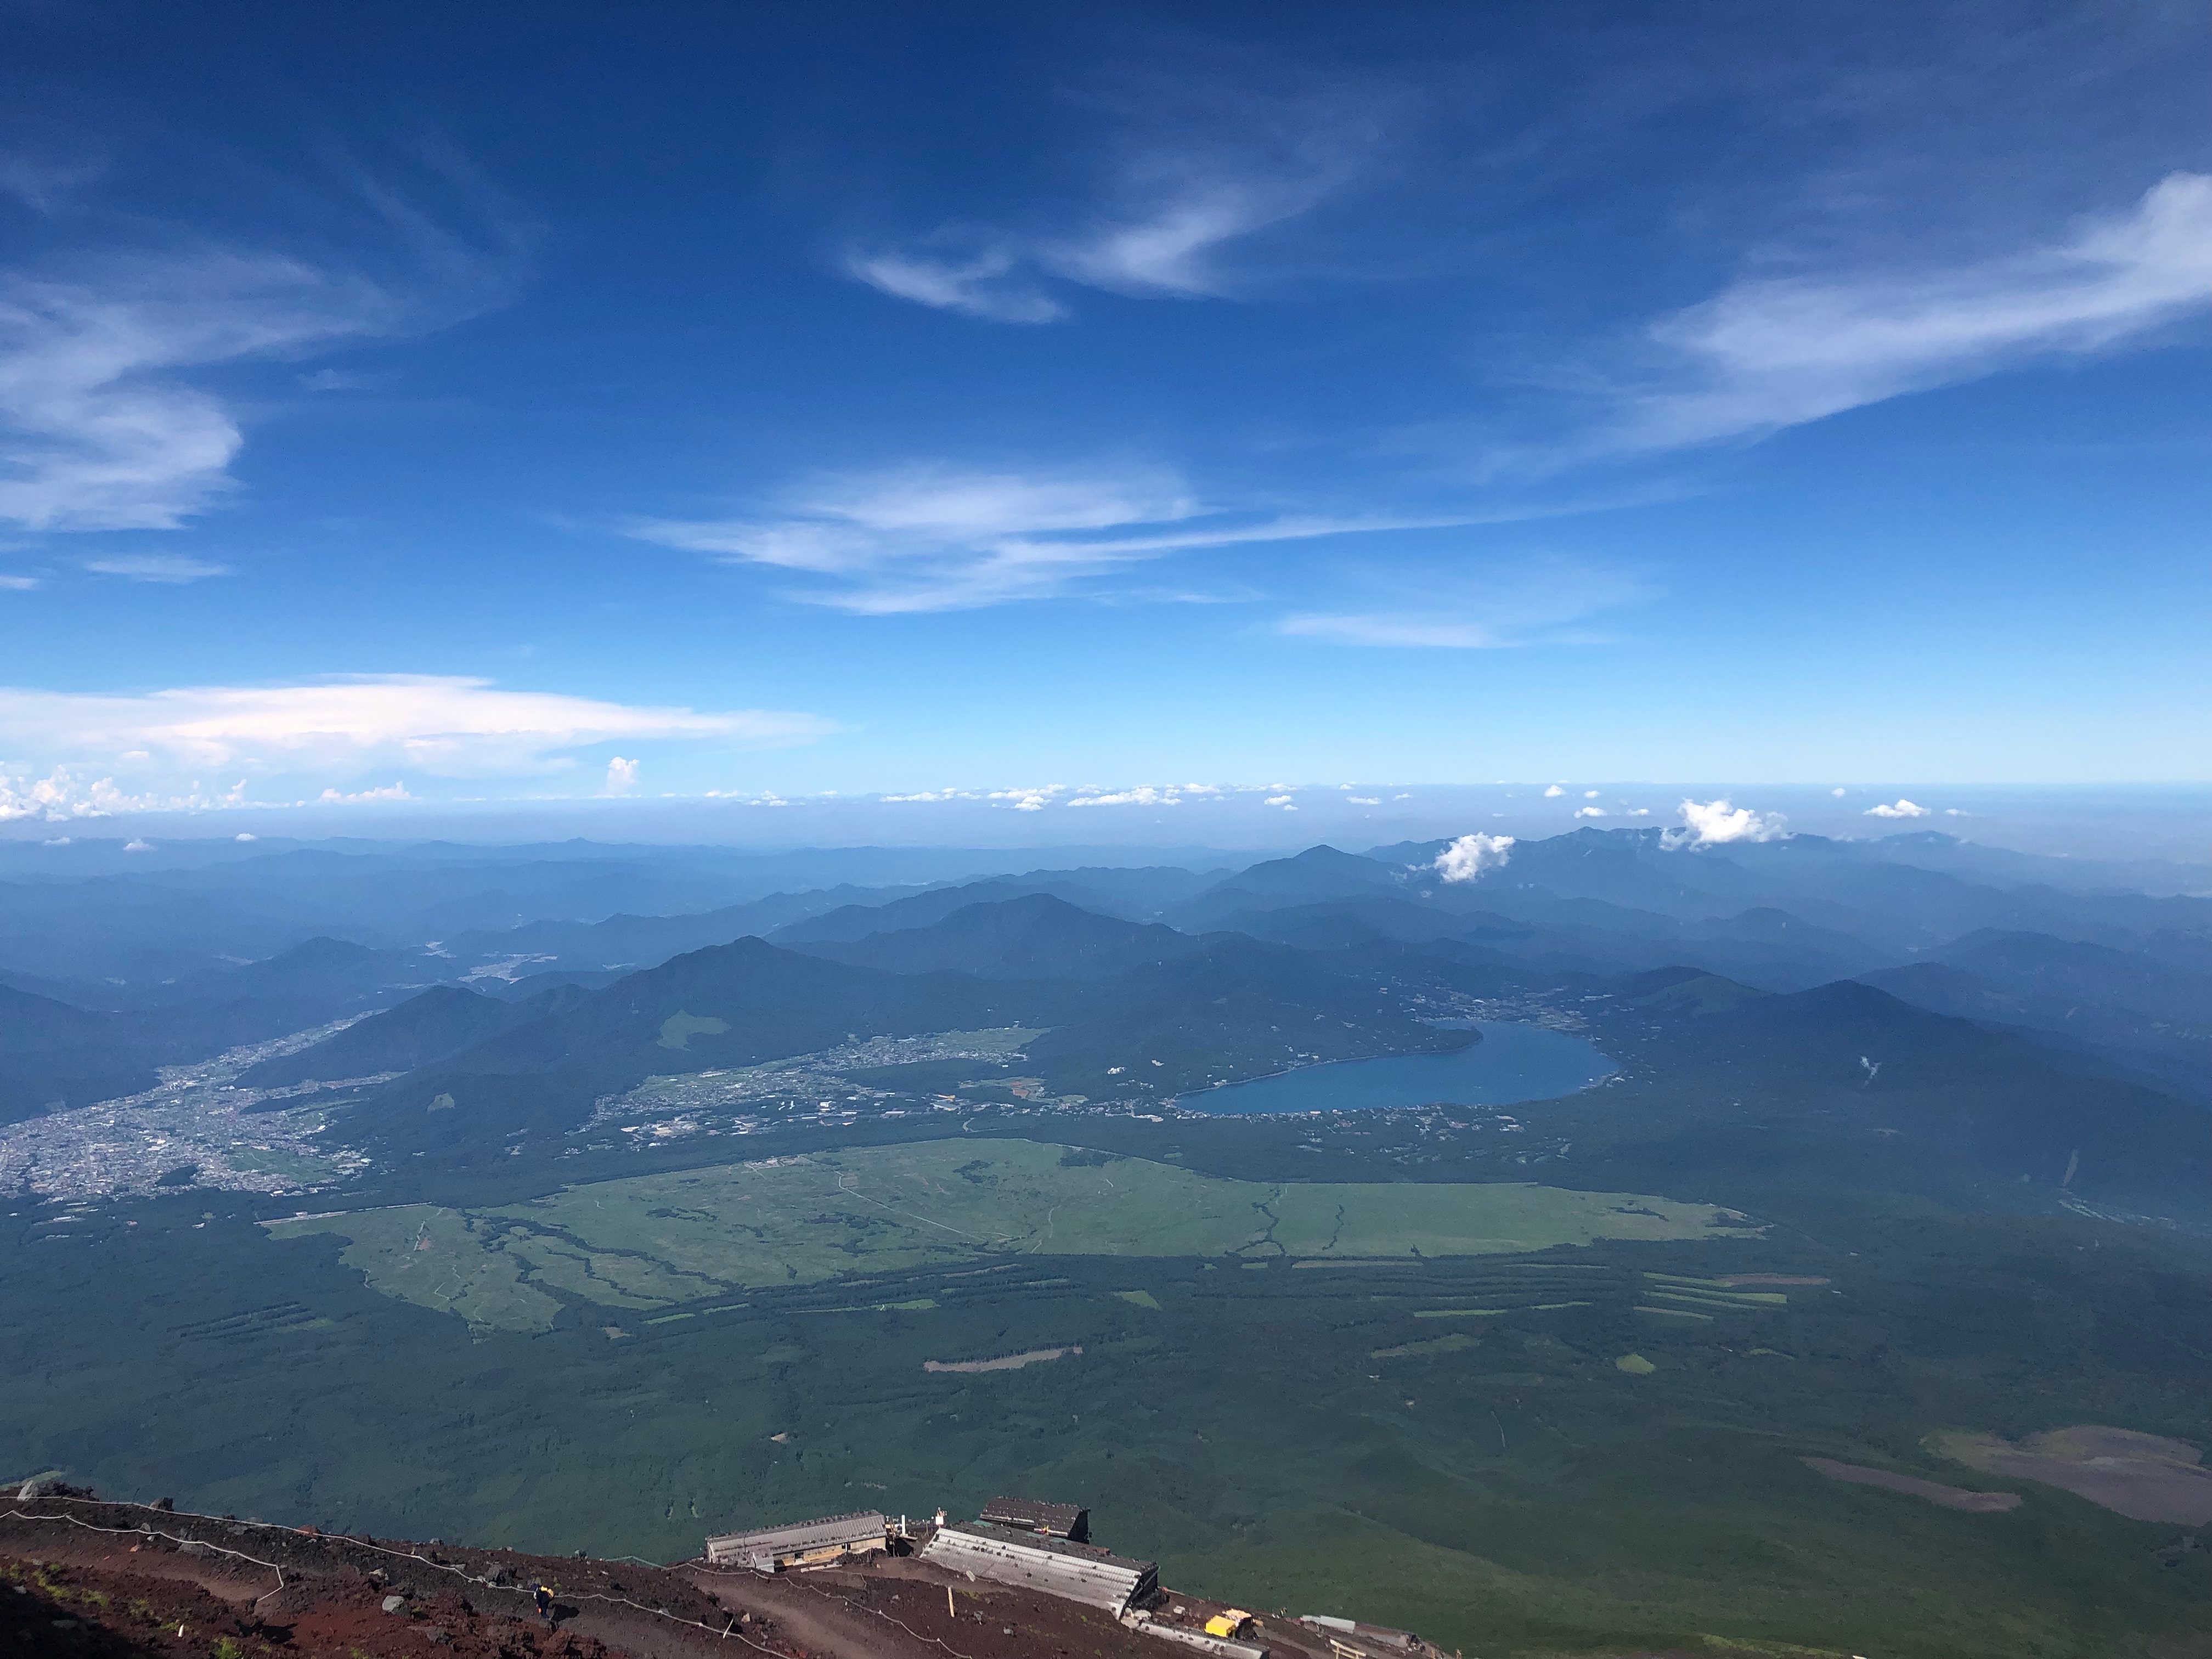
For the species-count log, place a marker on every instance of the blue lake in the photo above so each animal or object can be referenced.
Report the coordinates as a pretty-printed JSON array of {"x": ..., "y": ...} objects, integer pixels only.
[{"x": 1513, "y": 1062}]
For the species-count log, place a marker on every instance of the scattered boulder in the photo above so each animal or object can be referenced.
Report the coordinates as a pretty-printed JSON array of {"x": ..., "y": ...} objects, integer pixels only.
[
  {"x": 394, "y": 1603},
  {"x": 50, "y": 1485}
]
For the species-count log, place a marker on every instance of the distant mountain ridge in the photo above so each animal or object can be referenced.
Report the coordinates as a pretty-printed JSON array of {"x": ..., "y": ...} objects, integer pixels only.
[
  {"x": 437, "y": 1025},
  {"x": 2109, "y": 985},
  {"x": 53, "y": 1056},
  {"x": 1036, "y": 936}
]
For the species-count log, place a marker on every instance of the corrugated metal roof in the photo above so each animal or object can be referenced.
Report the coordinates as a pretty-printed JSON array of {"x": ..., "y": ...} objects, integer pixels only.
[
  {"x": 1074, "y": 1572},
  {"x": 797, "y": 1537},
  {"x": 1062, "y": 1518}
]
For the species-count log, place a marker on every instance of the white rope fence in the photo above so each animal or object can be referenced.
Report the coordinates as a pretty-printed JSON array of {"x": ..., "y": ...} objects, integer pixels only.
[{"x": 449, "y": 1568}]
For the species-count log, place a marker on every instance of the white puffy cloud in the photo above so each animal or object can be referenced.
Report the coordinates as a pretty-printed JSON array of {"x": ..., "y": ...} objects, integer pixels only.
[
  {"x": 444, "y": 727},
  {"x": 1903, "y": 809},
  {"x": 1551, "y": 791},
  {"x": 1026, "y": 800},
  {"x": 1142, "y": 795},
  {"x": 1716, "y": 822},
  {"x": 622, "y": 776},
  {"x": 394, "y": 790},
  {"x": 1037, "y": 798},
  {"x": 1590, "y": 813},
  {"x": 1283, "y": 801},
  {"x": 64, "y": 793},
  {"x": 1590, "y": 794},
  {"x": 1837, "y": 794},
  {"x": 1364, "y": 800},
  {"x": 1773, "y": 352},
  {"x": 1469, "y": 856}
]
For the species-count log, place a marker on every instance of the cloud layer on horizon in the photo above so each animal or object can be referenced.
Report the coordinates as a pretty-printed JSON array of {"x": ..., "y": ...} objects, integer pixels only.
[{"x": 70, "y": 749}]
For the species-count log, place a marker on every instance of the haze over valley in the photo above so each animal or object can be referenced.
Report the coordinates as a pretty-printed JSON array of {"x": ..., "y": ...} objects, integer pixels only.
[{"x": 1105, "y": 831}]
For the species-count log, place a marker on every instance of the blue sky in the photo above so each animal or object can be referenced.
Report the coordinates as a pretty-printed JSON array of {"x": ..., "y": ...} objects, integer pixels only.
[{"x": 497, "y": 403}]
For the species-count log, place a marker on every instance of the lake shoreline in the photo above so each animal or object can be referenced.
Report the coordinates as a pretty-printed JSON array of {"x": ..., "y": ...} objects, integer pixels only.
[{"x": 1510, "y": 1062}]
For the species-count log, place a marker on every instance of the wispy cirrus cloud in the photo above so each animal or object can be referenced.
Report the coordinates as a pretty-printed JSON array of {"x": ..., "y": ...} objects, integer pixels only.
[
  {"x": 102, "y": 423},
  {"x": 1169, "y": 248},
  {"x": 1199, "y": 168},
  {"x": 1770, "y": 352},
  {"x": 1540, "y": 600},
  {"x": 172, "y": 568},
  {"x": 925, "y": 539},
  {"x": 99, "y": 428},
  {"x": 979, "y": 274},
  {"x": 110, "y": 753}
]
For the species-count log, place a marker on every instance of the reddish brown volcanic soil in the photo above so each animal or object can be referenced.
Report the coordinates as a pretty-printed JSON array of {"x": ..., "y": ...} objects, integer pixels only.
[
  {"x": 92, "y": 1580},
  {"x": 1951, "y": 1497},
  {"x": 116, "y": 1581}
]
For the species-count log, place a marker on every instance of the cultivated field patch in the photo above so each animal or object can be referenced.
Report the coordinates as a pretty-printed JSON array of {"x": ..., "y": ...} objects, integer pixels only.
[
  {"x": 1457, "y": 1342},
  {"x": 1010, "y": 1362},
  {"x": 2145, "y": 1477},
  {"x": 1951, "y": 1497}
]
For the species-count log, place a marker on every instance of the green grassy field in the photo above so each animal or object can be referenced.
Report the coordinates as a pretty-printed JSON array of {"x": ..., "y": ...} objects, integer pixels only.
[
  {"x": 1502, "y": 1450},
  {"x": 658, "y": 1241},
  {"x": 440, "y": 1259}
]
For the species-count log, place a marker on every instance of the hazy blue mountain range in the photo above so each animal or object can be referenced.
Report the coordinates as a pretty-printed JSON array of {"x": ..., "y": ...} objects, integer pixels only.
[
  {"x": 1968, "y": 1168},
  {"x": 433, "y": 1025},
  {"x": 1136, "y": 895},
  {"x": 1214, "y": 973},
  {"x": 1038, "y": 936},
  {"x": 53, "y": 1056}
]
